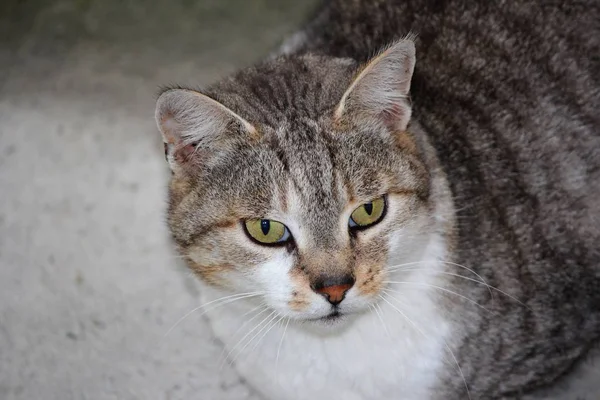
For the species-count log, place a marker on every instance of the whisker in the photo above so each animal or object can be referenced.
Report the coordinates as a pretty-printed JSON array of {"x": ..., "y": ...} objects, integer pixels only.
[
  {"x": 460, "y": 266},
  {"x": 489, "y": 287},
  {"x": 445, "y": 343},
  {"x": 459, "y": 368},
  {"x": 220, "y": 302},
  {"x": 267, "y": 331},
  {"x": 239, "y": 342},
  {"x": 473, "y": 272},
  {"x": 279, "y": 350},
  {"x": 248, "y": 334},
  {"x": 401, "y": 313},
  {"x": 481, "y": 282},
  {"x": 274, "y": 316},
  {"x": 439, "y": 288},
  {"x": 375, "y": 308},
  {"x": 393, "y": 268},
  {"x": 264, "y": 308},
  {"x": 372, "y": 307}
]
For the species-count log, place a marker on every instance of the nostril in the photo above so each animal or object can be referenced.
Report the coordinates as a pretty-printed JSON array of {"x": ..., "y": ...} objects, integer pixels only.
[{"x": 334, "y": 289}]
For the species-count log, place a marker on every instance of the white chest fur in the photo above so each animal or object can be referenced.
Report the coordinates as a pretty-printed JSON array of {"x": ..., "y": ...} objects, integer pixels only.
[{"x": 375, "y": 357}]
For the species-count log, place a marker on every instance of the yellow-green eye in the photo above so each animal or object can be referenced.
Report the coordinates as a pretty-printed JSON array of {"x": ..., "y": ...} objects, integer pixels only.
[
  {"x": 368, "y": 214},
  {"x": 267, "y": 231}
]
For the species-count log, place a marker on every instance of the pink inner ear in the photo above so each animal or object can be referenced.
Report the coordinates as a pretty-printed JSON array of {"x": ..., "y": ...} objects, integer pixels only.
[
  {"x": 395, "y": 117},
  {"x": 170, "y": 128},
  {"x": 184, "y": 153}
]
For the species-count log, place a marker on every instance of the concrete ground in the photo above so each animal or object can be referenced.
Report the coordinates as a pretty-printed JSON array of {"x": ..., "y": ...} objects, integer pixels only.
[{"x": 89, "y": 284}]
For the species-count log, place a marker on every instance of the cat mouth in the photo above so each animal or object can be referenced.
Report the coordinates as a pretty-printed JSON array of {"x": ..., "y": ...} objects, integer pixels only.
[{"x": 333, "y": 316}]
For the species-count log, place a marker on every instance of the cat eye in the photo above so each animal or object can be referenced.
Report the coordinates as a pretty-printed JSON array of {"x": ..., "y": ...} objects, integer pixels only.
[
  {"x": 367, "y": 214},
  {"x": 267, "y": 231}
]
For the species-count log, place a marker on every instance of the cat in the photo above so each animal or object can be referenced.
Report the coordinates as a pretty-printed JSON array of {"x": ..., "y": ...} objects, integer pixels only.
[{"x": 402, "y": 203}]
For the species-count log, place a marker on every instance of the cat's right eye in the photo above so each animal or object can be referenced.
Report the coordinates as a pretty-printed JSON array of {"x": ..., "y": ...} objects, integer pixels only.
[
  {"x": 367, "y": 214},
  {"x": 267, "y": 231}
]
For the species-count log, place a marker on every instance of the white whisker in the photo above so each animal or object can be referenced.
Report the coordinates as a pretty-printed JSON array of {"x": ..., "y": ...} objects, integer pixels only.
[
  {"x": 393, "y": 268},
  {"x": 459, "y": 369},
  {"x": 265, "y": 326},
  {"x": 264, "y": 308},
  {"x": 267, "y": 331},
  {"x": 248, "y": 334},
  {"x": 279, "y": 349},
  {"x": 401, "y": 313},
  {"x": 473, "y": 272},
  {"x": 439, "y": 288},
  {"x": 220, "y": 302},
  {"x": 483, "y": 281},
  {"x": 465, "y": 268},
  {"x": 379, "y": 315},
  {"x": 422, "y": 333},
  {"x": 490, "y": 287}
]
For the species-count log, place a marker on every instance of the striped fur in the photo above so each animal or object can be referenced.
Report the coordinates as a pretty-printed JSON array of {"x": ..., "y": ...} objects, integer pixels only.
[
  {"x": 509, "y": 94},
  {"x": 505, "y": 114}
]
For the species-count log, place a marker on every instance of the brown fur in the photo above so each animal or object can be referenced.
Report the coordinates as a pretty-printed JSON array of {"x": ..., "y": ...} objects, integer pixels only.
[{"x": 504, "y": 101}]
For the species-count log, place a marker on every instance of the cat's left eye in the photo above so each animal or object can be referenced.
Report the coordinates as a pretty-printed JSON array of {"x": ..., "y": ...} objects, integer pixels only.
[
  {"x": 267, "y": 231},
  {"x": 367, "y": 214}
]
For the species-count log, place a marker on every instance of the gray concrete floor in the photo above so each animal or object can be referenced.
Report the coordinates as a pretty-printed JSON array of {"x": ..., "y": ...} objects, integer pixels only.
[{"x": 89, "y": 284}]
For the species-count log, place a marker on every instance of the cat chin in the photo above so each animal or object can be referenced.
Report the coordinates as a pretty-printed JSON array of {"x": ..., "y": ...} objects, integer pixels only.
[{"x": 329, "y": 325}]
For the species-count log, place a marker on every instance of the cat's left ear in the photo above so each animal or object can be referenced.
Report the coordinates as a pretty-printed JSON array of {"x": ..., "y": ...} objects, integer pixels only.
[
  {"x": 380, "y": 91},
  {"x": 195, "y": 127}
]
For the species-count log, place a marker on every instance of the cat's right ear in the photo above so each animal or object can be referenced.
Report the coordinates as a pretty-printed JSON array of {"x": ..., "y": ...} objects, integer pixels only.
[
  {"x": 194, "y": 125},
  {"x": 379, "y": 93}
]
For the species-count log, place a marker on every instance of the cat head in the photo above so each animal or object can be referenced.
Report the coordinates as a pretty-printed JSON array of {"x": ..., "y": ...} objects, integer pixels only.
[{"x": 300, "y": 180}]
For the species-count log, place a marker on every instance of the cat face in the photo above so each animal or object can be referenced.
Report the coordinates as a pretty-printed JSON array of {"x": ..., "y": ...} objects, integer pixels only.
[{"x": 299, "y": 181}]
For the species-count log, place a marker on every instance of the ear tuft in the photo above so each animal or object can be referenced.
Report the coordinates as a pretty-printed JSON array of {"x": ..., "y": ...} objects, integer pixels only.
[
  {"x": 188, "y": 119},
  {"x": 380, "y": 91}
]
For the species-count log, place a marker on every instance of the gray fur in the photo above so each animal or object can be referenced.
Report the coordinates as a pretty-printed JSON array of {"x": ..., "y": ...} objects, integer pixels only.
[{"x": 508, "y": 94}]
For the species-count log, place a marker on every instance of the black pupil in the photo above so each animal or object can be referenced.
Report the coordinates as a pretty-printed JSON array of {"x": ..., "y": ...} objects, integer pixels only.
[
  {"x": 265, "y": 226},
  {"x": 369, "y": 208}
]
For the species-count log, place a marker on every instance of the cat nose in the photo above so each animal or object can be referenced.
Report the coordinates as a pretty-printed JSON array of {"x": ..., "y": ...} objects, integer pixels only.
[{"x": 333, "y": 288}]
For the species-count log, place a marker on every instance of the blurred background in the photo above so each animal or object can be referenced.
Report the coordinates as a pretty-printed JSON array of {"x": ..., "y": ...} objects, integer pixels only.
[{"x": 89, "y": 281}]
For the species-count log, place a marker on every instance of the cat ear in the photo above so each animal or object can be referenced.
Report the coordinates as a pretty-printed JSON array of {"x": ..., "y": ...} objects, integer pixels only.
[
  {"x": 380, "y": 91},
  {"x": 191, "y": 121}
]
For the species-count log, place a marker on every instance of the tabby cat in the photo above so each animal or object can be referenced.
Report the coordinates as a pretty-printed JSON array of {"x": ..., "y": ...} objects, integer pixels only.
[{"x": 403, "y": 203}]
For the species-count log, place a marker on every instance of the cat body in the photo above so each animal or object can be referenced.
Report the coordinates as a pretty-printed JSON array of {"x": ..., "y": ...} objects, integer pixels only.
[{"x": 479, "y": 275}]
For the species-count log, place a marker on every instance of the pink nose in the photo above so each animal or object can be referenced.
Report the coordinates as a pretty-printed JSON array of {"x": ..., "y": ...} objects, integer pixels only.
[
  {"x": 334, "y": 294},
  {"x": 334, "y": 289}
]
